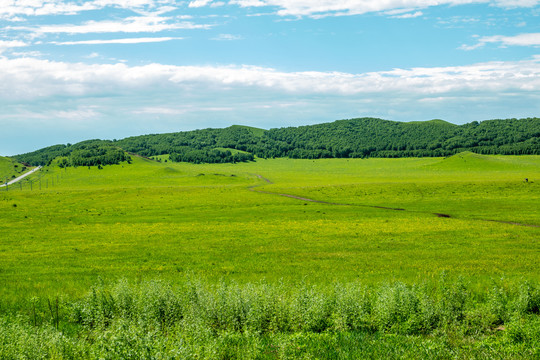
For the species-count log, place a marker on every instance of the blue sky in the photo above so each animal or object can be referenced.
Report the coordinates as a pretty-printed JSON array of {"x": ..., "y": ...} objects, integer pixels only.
[{"x": 72, "y": 70}]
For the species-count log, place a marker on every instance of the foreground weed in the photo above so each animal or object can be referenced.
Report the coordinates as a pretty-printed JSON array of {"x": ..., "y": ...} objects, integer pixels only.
[{"x": 227, "y": 320}]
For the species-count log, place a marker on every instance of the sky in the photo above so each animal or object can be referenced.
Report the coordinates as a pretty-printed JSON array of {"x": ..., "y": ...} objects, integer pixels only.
[{"x": 72, "y": 70}]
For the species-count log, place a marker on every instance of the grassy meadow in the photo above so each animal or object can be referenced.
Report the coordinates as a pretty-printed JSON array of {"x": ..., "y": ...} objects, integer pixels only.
[
  {"x": 379, "y": 221},
  {"x": 9, "y": 169}
]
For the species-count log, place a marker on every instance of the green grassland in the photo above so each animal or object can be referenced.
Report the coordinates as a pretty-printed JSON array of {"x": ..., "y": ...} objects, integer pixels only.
[
  {"x": 152, "y": 219},
  {"x": 9, "y": 169},
  {"x": 356, "y": 273}
]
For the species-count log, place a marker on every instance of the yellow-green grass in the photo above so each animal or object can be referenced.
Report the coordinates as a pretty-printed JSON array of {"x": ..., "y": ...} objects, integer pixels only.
[
  {"x": 162, "y": 158},
  {"x": 163, "y": 220},
  {"x": 233, "y": 151},
  {"x": 9, "y": 169}
]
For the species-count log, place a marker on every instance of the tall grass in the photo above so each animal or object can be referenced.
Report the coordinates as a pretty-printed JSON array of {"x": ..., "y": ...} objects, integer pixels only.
[{"x": 196, "y": 319}]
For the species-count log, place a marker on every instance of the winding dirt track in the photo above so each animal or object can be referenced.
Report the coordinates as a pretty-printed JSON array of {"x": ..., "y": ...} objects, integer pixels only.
[{"x": 441, "y": 215}]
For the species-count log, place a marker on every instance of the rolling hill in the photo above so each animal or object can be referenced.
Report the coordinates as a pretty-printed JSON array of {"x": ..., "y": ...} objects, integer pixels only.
[
  {"x": 352, "y": 138},
  {"x": 9, "y": 169}
]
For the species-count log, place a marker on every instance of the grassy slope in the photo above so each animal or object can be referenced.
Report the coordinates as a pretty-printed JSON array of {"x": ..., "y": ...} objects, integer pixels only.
[
  {"x": 9, "y": 168},
  {"x": 164, "y": 220},
  {"x": 233, "y": 151}
]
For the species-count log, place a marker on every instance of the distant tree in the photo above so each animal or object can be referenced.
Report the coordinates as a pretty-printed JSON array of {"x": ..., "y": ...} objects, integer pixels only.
[{"x": 63, "y": 163}]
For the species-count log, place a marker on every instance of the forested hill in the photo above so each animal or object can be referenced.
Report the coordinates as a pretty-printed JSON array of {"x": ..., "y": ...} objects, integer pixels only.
[
  {"x": 354, "y": 138},
  {"x": 369, "y": 137},
  {"x": 85, "y": 153}
]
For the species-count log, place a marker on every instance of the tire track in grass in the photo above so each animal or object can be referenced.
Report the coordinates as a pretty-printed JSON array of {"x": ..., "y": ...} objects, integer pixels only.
[{"x": 440, "y": 215}]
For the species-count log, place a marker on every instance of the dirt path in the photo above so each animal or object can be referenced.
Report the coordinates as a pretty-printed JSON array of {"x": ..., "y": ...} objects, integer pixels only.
[
  {"x": 21, "y": 177},
  {"x": 441, "y": 215},
  {"x": 511, "y": 223}
]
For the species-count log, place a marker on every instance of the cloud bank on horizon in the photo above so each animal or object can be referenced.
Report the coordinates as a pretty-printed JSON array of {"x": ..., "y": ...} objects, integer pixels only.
[{"x": 73, "y": 70}]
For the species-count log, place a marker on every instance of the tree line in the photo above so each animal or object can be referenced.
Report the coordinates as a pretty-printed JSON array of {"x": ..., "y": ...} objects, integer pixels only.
[
  {"x": 352, "y": 138},
  {"x": 213, "y": 156},
  {"x": 355, "y": 138},
  {"x": 86, "y": 153}
]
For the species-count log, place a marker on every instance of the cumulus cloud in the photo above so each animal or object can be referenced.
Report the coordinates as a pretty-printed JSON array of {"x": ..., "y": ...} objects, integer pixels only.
[
  {"x": 34, "y": 78},
  {"x": 39, "y": 97},
  {"x": 4, "y": 45},
  {"x": 531, "y": 39}
]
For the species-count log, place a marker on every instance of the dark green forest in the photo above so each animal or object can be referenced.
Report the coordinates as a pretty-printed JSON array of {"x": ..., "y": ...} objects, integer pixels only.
[
  {"x": 85, "y": 153},
  {"x": 353, "y": 138}
]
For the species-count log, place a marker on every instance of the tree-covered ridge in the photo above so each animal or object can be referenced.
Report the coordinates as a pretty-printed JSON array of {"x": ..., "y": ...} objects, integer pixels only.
[
  {"x": 213, "y": 156},
  {"x": 369, "y": 137},
  {"x": 353, "y": 138},
  {"x": 86, "y": 153},
  {"x": 357, "y": 138},
  {"x": 96, "y": 153},
  {"x": 234, "y": 137},
  {"x": 43, "y": 156}
]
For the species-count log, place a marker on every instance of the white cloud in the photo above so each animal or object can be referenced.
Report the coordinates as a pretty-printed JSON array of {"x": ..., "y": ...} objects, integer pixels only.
[
  {"x": 409, "y": 15},
  {"x": 118, "y": 41},
  {"x": 83, "y": 113},
  {"x": 14, "y": 9},
  {"x": 4, "y": 45},
  {"x": 199, "y": 3},
  {"x": 53, "y": 101},
  {"x": 159, "y": 111},
  {"x": 27, "y": 54},
  {"x": 227, "y": 37},
  {"x": 350, "y": 7},
  {"x": 127, "y": 4},
  {"x": 29, "y": 78},
  {"x": 516, "y": 3},
  {"x": 11, "y": 9},
  {"x": 532, "y": 39},
  {"x": 136, "y": 24},
  {"x": 179, "y": 110},
  {"x": 202, "y": 3}
]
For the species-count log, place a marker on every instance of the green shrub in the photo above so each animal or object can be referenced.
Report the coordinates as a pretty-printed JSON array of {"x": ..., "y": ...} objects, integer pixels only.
[{"x": 156, "y": 320}]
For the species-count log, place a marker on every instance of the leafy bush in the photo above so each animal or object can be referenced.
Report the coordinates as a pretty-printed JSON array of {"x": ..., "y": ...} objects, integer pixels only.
[{"x": 156, "y": 320}]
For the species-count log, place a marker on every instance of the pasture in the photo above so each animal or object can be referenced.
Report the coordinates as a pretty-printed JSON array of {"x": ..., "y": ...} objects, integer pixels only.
[
  {"x": 281, "y": 258},
  {"x": 9, "y": 169},
  {"x": 163, "y": 220}
]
